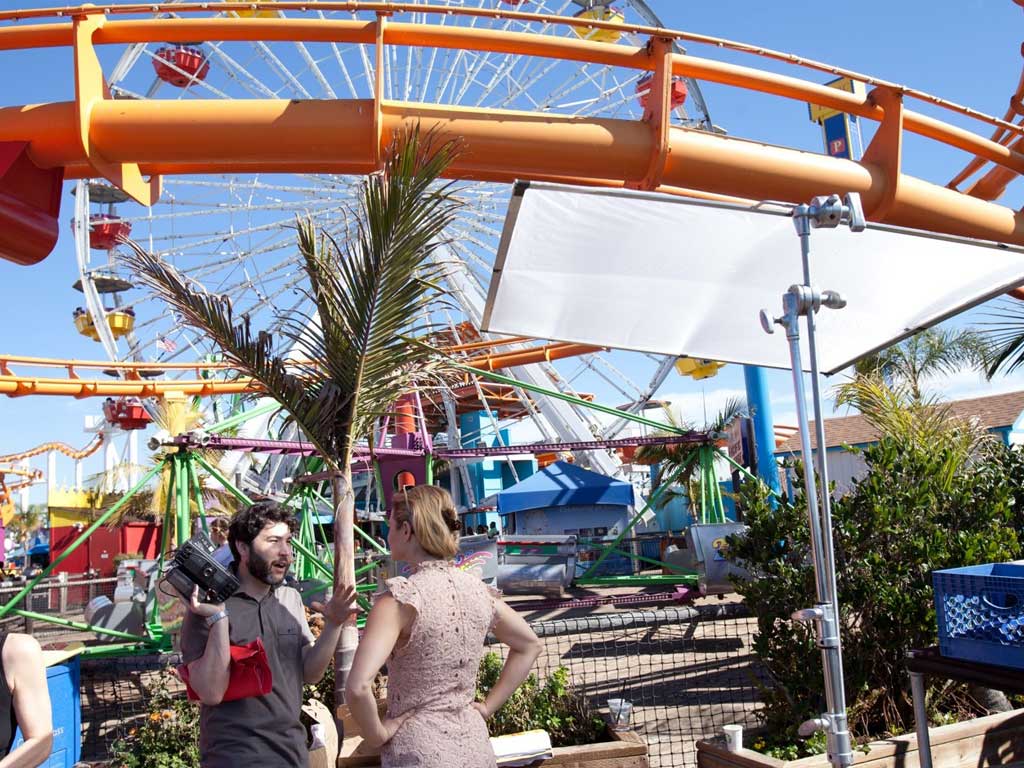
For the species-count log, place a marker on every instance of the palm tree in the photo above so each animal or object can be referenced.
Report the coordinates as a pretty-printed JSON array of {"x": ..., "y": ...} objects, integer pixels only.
[
  {"x": 24, "y": 525},
  {"x": 369, "y": 294},
  {"x": 930, "y": 352},
  {"x": 692, "y": 464},
  {"x": 897, "y": 411},
  {"x": 1005, "y": 332}
]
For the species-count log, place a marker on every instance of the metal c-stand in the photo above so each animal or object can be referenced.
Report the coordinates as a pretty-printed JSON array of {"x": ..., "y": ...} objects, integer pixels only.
[{"x": 804, "y": 301}]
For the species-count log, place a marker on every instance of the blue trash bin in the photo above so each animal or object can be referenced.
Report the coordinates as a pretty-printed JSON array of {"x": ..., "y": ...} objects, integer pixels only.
[{"x": 62, "y": 681}]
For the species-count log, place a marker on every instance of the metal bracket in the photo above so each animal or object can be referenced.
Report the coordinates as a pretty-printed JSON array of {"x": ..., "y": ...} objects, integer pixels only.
[
  {"x": 90, "y": 90},
  {"x": 886, "y": 148},
  {"x": 658, "y": 112}
]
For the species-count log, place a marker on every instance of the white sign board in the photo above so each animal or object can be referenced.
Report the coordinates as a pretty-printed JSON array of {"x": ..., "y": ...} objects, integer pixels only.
[{"x": 674, "y": 276}]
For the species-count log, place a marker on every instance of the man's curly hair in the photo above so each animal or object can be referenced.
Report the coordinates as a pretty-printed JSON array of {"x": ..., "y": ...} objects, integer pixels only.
[{"x": 247, "y": 524}]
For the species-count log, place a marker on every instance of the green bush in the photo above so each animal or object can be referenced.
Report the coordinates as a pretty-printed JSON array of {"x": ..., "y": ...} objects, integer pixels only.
[
  {"x": 908, "y": 516},
  {"x": 554, "y": 706},
  {"x": 168, "y": 737}
]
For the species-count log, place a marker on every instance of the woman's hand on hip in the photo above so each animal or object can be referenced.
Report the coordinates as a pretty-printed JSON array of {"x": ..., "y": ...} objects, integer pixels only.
[{"x": 389, "y": 727}]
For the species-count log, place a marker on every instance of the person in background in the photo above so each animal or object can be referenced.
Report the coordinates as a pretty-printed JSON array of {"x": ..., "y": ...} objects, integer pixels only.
[
  {"x": 219, "y": 536},
  {"x": 481, "y": 529},
  {"x": 24, "y": 703},
  {"x": 492, "y": 531},
  {"x": 430, "y": 629}
]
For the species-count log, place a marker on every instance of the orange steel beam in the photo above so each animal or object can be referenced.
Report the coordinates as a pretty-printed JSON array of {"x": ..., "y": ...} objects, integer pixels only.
[
  {"x": 338, "y": 136},
  {"x": 20, "y": 386},
  {"x": 390, "y": 8},
  {"x": 433, "y": 35},
  {"x": 17, "y": 386},
  {"x": 546, "y": 353}
]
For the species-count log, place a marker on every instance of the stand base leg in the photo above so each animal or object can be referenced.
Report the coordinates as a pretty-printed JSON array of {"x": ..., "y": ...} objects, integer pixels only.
[{"x": 924, "y": 746}]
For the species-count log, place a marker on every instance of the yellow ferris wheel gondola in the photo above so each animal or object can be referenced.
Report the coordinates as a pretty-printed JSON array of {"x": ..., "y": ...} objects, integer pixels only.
[
  {"x": 120, "y": 321},
  {"x": 698, "y": 368},
  {"x": 600, "y": 12}
]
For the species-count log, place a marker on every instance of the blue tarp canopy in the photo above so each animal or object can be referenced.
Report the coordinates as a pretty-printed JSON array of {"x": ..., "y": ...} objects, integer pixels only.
[{"x": 562, "y": 484}]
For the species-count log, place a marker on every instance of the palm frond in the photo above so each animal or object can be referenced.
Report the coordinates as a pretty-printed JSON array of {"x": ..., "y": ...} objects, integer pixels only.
[
  {"x": 368, "y": 292},
  {"x": 932, "y": 352},
  {"x": 919, "y": 423},
  {"x": 1004, "y": 330}
]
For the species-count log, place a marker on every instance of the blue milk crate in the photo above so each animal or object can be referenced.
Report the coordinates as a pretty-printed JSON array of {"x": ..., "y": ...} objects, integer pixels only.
[{"x": 980, "y": 613}]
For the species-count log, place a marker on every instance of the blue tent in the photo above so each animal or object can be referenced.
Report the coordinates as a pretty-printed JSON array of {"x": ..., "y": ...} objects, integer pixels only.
[{"x": 562, "y": 484}]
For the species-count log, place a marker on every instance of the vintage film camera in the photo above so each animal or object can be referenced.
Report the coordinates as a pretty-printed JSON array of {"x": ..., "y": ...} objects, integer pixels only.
[{"x": 193, "y": 565}]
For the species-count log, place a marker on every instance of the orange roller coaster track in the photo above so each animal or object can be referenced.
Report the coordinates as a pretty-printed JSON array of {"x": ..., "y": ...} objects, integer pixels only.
[
  {"x": 126, "y": 140},
  {"x": 67, "y": 450},
  {"x": 14, "y": 384}
]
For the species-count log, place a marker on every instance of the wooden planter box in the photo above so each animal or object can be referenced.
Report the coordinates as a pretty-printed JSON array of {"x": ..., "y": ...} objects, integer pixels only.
[
  {"x": 993, "y": 740},
  {"x": 626, "y": 749}
]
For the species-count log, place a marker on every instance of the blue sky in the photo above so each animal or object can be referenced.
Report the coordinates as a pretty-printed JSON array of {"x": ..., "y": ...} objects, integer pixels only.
[{"x": 965, "y": 51}]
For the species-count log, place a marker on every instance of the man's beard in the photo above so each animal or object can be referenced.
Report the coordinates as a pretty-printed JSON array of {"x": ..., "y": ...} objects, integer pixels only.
[{"x": 261, "y": 568}]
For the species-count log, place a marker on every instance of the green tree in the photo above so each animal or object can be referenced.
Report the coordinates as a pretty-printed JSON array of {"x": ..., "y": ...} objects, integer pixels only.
[
  {"x": 1004, "y": 333},
  {"x": 693, "y": 460},
  {"x": 24, "y": 525},
  {"x": 934, "y": 496},
  {"x": 928, "y": 353},
  {"x": 370, "y": 294}
]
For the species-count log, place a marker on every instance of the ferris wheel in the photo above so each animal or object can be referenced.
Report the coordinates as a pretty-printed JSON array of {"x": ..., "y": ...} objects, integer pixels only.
[{"x": 234, "y": 234}]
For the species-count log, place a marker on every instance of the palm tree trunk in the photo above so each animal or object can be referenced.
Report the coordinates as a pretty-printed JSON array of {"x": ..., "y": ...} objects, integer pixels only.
[{"x": 344, "y": 575}]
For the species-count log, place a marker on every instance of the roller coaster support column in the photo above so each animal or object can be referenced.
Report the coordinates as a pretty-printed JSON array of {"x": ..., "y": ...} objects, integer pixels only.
[{"x": 764, "y": 431}]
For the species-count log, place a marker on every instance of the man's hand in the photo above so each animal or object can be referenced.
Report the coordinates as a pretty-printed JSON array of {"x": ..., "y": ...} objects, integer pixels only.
[
  {"x": 341, "y": 607},
  {"x": 202, "y": 610}
]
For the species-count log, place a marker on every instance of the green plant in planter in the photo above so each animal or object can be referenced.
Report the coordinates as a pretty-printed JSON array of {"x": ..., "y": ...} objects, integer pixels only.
[
  {"x": 923, "y": 505},
  {"x": 554, "y": 706},
  {"x": 168, "y": 737}
]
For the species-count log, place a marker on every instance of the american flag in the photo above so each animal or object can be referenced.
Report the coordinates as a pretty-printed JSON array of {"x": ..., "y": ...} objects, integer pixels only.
[{"x": 166, "y": 344}]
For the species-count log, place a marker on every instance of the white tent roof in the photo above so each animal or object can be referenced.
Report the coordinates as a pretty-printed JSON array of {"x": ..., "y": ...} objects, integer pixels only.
[{"x": 662, "y": 274}]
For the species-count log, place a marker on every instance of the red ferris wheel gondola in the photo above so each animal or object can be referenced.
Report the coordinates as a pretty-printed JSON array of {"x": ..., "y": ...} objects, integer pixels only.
[{"x": 180, "y": 65}]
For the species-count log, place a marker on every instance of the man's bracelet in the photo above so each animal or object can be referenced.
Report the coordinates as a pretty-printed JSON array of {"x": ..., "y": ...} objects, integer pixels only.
[{"x": 211, "y": 620}]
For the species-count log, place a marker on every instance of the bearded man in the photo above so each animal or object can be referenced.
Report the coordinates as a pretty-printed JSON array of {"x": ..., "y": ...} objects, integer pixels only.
[{"x": 265, "y": 730}]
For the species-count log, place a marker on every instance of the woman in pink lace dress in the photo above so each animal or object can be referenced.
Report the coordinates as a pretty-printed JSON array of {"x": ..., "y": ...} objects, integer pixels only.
[{"x": 430, "y": 629}]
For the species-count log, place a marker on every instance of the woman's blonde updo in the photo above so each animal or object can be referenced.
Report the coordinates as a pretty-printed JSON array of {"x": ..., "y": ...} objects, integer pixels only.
[{"x": 431, "y": 513}]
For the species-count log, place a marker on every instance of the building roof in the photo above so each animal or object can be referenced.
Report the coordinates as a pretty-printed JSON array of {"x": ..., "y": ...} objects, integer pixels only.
[{"x": 993, "y": 411}]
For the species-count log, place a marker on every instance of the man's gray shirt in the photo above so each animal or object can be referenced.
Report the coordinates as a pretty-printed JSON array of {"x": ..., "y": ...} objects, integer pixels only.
[{"x": 265, "y": 730}]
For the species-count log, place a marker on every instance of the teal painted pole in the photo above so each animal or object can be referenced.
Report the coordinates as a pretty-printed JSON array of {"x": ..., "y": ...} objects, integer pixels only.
[{"x": 759, "y": 403}]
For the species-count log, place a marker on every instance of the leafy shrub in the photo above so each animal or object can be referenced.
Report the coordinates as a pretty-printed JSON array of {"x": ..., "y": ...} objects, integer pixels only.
[
  {"x": 554, "y": 706},
  {"x": 168, "y": 737},
  {"x": 910, "y": 515}
]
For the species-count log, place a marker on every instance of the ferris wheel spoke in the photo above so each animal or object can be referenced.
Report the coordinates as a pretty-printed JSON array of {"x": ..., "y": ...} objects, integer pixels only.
[
  {"x": 315, "y": 70},
  {"x": 245, "y": 79}
]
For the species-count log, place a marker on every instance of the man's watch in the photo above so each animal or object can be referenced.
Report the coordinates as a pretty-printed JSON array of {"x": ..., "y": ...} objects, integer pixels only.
[{"x": 211, "y": 620}]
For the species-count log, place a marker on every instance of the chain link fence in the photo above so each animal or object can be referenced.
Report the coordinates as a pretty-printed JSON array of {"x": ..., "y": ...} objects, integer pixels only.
[
  {"x": 687, "y": 670},
  {"x": 62, "y": 598}
]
